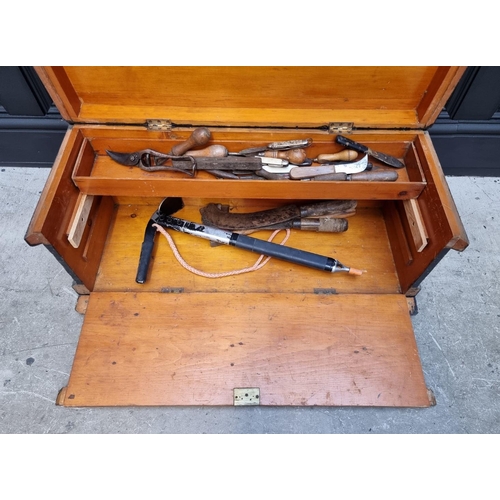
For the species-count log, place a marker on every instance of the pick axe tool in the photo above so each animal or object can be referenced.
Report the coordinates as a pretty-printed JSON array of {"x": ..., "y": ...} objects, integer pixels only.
[{"x": 164, "y": 217}]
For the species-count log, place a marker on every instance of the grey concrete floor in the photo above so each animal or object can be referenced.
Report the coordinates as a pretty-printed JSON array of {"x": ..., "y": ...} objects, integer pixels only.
[{"x": 457, "y": 331}]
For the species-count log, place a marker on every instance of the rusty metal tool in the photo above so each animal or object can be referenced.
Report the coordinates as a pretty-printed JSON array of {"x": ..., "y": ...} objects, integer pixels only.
[
  {"x": 218, "y": 215},
  {"x": 164, "y": 218},
  {"x": 154, "y": 161},
  {"x": 151, "y": 160},
  {"x": 361, "y": 148}
]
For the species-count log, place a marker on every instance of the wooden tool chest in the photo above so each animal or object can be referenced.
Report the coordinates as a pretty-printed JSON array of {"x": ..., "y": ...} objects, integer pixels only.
[{"x": 283, "y": 335}]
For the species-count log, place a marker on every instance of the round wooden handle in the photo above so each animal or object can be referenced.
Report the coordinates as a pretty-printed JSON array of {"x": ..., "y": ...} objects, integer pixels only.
[
  {"x": 296, "y": 156},
  {"x": 199, "y": 137},
  {"x": 345, "y": 155},
  {"x": 369, "y": 176},
  {"x": 375, "y": 176},
  {"x": 215, "y": 151}
]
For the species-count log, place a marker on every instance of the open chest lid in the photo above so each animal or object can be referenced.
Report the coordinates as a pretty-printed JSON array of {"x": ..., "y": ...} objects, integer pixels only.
[{"x": 363, "y": 97}]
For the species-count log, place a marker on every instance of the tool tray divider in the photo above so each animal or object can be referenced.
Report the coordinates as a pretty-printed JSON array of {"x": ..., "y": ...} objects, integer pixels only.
[{"x": 97, "y": 174}]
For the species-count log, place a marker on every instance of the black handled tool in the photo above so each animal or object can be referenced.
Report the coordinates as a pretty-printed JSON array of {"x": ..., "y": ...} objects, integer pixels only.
[
  {"x": 163, "y": 217},
  {"x": 361, "y": 148}
]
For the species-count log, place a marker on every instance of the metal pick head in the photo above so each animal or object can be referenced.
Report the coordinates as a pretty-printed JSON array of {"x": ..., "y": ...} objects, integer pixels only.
[{"x": 170, "y": 206}]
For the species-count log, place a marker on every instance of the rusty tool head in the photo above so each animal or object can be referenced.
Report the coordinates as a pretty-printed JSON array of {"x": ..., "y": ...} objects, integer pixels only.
[
  {"x": 143, "y": 158},
  {"x": 151, "y": 160}
]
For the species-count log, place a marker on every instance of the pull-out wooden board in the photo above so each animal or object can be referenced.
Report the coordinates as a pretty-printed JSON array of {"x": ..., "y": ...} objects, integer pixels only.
[{"x": 195, "y": 348}]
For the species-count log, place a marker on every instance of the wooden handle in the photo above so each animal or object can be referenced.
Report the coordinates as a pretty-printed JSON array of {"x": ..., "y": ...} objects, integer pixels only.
[
  {"x": 345, "y": 155},
  {"x": 215, "y": 151},
  {"x": 379, "y": 176},
  {"x": 297, "y": 156},
  {"x": 199, "y": 137},
  {"x": 331, "y": 177}
]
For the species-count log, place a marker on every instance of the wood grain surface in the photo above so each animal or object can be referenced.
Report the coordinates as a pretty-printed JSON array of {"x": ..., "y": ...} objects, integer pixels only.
[
  {"x": 383, "y": 97},
  {"x": 364, "y": 245},
  {"x": 194, "y": 349},
  {"x": 102, "y": 176}
]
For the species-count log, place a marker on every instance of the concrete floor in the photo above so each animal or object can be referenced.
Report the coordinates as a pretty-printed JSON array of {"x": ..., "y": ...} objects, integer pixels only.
[{"x": 457, "y": 331}]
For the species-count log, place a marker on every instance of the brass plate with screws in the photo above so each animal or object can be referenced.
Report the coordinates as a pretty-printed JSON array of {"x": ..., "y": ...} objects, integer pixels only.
[{"x": 247, "y": 396}]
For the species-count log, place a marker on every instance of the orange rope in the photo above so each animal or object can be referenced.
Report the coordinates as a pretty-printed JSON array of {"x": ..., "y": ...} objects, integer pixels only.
[{"x": 258, "y": 264}]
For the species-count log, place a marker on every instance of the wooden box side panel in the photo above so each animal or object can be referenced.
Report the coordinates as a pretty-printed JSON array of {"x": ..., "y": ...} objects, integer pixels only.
[
  {"x": 439, "y": 216},
  {"x": 298, "y": 349},
  {"x": 53, "y": 216}
]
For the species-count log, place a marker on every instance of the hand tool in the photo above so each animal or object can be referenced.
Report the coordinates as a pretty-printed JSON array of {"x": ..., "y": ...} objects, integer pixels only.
[
  {"x": 264, "y": 174},
  {"x": 388, "y": 160},
  {"x": 345, "y": 155},
  {"x": 371, "y": 176},
  {"x": 218, "y": 215},
  {"x": 153, "y": 161},
  {"x": 150, "y": 160},
  {"x": 347, "y": 168},
  {"x": 163, "y": 217},
  {"x": 237, "y": 164},
  {"x": 281, "y": 146},
  {"x": 296, "y": 156},
  {"x": 199, "y": 137},
  {"x": 316, "y": 224}
]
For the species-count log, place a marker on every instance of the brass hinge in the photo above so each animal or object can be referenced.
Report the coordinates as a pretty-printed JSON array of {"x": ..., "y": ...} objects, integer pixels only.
[
  {"x": 172, "y": 290},
  {"x": 340, "y": 127},
  {"x": 246, "y": 396},
  {"x": 163, "y": 125},
  {"x": 325, "y": 291}
]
